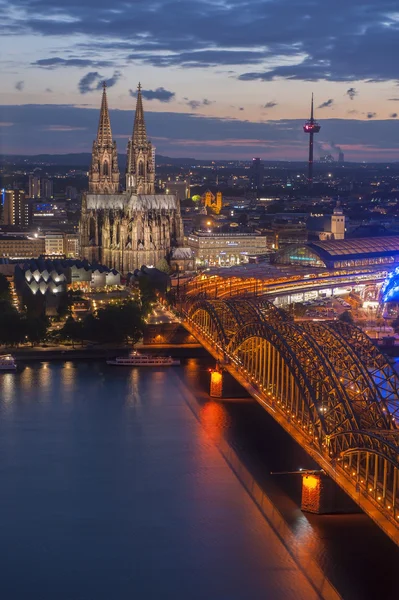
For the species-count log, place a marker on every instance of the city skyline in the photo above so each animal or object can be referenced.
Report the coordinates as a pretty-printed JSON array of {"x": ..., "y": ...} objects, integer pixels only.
[{"x": 218, "y": 81}]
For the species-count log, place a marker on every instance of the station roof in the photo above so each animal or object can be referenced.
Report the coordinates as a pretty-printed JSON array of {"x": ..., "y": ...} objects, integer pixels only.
[{"x": 355, "y": 247}]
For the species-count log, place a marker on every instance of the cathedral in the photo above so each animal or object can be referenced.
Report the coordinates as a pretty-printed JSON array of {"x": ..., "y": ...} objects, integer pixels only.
[{"x": 127, "y": 229}]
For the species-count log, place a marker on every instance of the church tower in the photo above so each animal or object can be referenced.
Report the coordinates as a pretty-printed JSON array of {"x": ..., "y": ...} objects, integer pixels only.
[
  {"x": 140, "y": 168},
  {"x": 104, "y": 171}
]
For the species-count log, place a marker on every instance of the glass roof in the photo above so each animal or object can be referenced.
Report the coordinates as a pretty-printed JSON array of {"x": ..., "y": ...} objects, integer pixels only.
[{"x": 372, "y": 245}]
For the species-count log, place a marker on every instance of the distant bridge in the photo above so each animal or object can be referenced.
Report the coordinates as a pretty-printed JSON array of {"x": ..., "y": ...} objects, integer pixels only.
[{"x": 326, "y": 383}]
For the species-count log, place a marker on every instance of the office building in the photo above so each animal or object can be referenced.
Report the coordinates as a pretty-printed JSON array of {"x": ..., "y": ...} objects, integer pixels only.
[
  {"x": 16, "y": 209},
  {"x": 20, "y": 246},
  {"x": 256, "y": 175},
  {"x": 54, "y": 244},
  {"x": 34, "y": 186},
  {"x": 46, "y": 189},
  {"x": 225, "y": 249}
]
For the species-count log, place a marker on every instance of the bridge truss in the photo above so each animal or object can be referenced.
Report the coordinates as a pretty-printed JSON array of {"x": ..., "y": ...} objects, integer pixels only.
[{"x": 326, "y": 383}]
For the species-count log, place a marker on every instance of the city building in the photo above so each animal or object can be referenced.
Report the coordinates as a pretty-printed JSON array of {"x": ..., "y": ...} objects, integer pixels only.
[
  {"x": 126, "y": 230},
  {"x": 225, "y": 249},
  {"x": 20, "y": 246},
  {"x": 180, "y": 189},
  {"x": 338, "y": 254},
  {"x": 17, "y": 209},
  {"x": 48, "y": 214},
  {"x": 54, "y": 244},
  {"x": 46, "y": 188},
  {"x": 52, "y": 278},
  {"x": 72, "y": 245},
  {"x": 256, "y": 176},
  {"x": 34, "y": 186},
  {"x": 327, "y": 227}
]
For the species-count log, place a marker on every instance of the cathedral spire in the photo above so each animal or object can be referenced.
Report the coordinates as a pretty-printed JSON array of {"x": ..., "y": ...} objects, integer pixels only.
[
  {"x": 104, "y": 133},
  {"x": 104, "y": 171},
  {"x": 140, "y": 168},
  {"x": 139, "y": 130}
]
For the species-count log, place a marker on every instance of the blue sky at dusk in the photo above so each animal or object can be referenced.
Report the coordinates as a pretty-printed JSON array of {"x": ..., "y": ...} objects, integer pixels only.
[{"x": 221, "y": 79}]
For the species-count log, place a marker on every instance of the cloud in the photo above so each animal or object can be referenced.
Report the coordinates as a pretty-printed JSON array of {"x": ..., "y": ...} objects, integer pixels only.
[
  {"x": 327, "y": 103},
  {"x": 371, "y": 115},
  {"x": 93, "y": 81},
  {"x": 352, "y": 92},
  {"x": 69, "y": 128},
  {"x": 270, "y": 105},
  {"x": 195, "y": 104},
  {"x": 48, "y": 90},
  {"x": 19, "y": 86},
  {"x": 393, "y": 115},
  {"x": 357, "y": 42},
  {"x": 52, "y": 63},
  {"x": 393, "y": 99},
  {"x": 159, "y": 94}
]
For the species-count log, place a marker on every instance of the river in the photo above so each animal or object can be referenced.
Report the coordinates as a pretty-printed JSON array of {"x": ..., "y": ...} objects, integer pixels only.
[{"x": 120, "y": 483}]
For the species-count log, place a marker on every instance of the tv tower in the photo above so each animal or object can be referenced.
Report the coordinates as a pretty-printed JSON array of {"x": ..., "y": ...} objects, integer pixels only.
[{"x": 311, "y": 127}]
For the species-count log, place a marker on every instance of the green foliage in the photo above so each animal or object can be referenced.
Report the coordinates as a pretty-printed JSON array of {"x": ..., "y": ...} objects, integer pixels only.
[
  {"x": 11, "y": 325},
  {"x": 117, "y": 324},
  {"x": 72, "y": 330},
  {"x": 163, "y": 266},
  {"x": 4, "y": 288},
  {"x": 346, "y": 317},
  {"x": 147, "y": 294},
  {"x": 35, "y": 328}
]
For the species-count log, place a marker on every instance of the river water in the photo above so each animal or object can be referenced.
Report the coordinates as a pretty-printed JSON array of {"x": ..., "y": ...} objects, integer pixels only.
[{"x": 131, "y": 483}]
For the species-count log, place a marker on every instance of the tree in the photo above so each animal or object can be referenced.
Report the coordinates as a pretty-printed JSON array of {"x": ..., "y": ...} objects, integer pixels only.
[
  {"x": 163, "y": 266},
  {"x": 346, "y": 317},
  {"x": 35, "y": 328},
  {"x": 12, "y": 331},
  {"x": 4, "y": 288},
  {"x": 72, "y": 330}
]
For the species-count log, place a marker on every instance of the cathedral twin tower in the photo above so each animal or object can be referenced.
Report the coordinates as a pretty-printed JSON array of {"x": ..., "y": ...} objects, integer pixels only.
[
  {"x": 140, "y": 168},
  {"x": 126, "y": 229}
]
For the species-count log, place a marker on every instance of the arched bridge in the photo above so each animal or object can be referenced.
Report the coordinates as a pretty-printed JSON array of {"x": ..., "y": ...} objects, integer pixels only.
[{"x": 326, "y": 383}]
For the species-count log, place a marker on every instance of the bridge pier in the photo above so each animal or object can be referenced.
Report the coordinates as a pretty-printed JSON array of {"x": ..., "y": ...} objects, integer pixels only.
[
  {"x": 322, "y": 496},
  {"x": 216, "y": 383}
]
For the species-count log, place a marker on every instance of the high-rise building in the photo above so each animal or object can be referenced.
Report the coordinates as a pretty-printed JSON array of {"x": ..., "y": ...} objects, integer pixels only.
[
  {"x": 71, "y": 192},
  {"x": 16, "y": 209},
  {"x": 46, "y": 189},
  {"x": 256, "y": 175},
  {"x": 34, "y": 186},
  {"x": 341, "y": 157}
]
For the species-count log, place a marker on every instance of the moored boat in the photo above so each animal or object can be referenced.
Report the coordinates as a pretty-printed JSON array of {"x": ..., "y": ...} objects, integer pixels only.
[
  {"x": 7, "y": 363},
  {"x": 135, "y": 359}
]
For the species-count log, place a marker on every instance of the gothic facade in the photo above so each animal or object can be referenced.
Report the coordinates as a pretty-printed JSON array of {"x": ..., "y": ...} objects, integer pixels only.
[{"x": 127, "y": 229}]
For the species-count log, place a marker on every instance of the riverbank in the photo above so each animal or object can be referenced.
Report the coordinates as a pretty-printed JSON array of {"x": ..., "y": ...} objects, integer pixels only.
[{"x": 63, "y": 353}]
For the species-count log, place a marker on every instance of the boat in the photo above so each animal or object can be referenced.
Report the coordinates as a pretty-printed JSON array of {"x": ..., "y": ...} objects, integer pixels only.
[
  {"x": 135, "y": 359},
  {"x": 7, "y": 363}
]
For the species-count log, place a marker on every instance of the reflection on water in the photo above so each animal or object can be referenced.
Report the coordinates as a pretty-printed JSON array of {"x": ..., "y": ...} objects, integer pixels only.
[
  {"x": 130, "y": 494},
  {"x": 214, "y": 420}
]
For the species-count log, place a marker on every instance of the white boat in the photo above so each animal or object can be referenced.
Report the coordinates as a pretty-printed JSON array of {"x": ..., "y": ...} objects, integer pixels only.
[
  {"x": 135, "y": 359},
  {"x": 7, "y": 363}
]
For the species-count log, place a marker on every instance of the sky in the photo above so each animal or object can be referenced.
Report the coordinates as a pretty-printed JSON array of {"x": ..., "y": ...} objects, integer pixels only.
[{"x": 221, "y": 79}]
